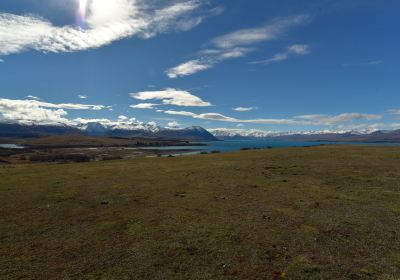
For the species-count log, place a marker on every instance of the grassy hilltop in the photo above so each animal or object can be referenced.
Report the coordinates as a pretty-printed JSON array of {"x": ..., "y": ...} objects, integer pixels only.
[{"x": 329, "y": 212}]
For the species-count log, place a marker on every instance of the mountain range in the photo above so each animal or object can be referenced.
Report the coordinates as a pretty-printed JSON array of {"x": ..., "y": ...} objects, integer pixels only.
[
  {"x": 195, "y": 133},
  {"x": 378, "y": 136}
]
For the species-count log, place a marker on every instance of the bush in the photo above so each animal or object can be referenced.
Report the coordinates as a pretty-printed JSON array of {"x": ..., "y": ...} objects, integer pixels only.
[
  {"x": 216, "y": 152},
  {"x": 110, "y": 157},
  {"x": 60, "y": 158}
]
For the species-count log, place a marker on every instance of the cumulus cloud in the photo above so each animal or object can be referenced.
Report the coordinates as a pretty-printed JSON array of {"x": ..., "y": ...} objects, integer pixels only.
[
  {"x": 38, "y": 112},
  {"x": 105, "y": 22},
  {"x": 171, "y": 96},
  {"x": 244, "y": 109},
  {"x": 123, "y": 122},
  {"x": 143, "y": 106},
  {"x": 43, "y": 113},
  {"x": 173, "y": 124},
  {"x": 235, "y": 45}
]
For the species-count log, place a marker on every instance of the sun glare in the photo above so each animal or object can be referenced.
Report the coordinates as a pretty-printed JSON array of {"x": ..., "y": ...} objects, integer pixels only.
[{"x": 81, "y": 15}]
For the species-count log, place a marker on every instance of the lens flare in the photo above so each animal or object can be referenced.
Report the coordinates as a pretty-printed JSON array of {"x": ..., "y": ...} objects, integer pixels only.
[{"x": 81, "y": 15}]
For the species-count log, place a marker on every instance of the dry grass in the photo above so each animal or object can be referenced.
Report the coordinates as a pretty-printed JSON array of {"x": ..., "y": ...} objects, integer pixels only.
[{"x": 329, "y": 212}]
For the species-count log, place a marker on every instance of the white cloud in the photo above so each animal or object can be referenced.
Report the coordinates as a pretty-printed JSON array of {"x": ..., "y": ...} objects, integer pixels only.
[
  {"x": 234, "y": 53},
  {"x": 394, "y": 111},
  {"x": 244, "y": 109},
  {"x": 123, "y": 122},
  {"x": 299, "y": 49},
  {"x": 233, "y": 45},
  {"x": 33, "y": 97},
  {"x": 171, "y": 96},
  {"x": 221, "y": 117},
  {"x": 276, "y": 58},
  {"x": 294, "y": 49},
  {"x": 107, "y": 21},
  {"x": 209, "y": 60},
  {"x": 180, "y": 113},
  {"x": 332, "y": 120},
  {"x": 34, "y": 111},
  {"x": 369, "y": 63},
  {"x": 298, "y": 120},
  {"x": 28, "y": 111},
  {"x": 144, "y": 106},
  {"x": 173, "y": 124},
  {"x": 188, "y": 68},
  {"x": 250, "y": 36},
  {"x": 82, "y": 96}
]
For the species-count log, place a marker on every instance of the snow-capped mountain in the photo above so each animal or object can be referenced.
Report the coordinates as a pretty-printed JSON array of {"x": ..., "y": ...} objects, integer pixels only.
[
  {"x": 108, "y": 129},
  {"x": 325, "y": 135}
]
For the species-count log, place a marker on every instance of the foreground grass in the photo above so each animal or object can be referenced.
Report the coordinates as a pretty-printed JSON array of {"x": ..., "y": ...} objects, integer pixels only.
[{"x": 329, "y": 212}]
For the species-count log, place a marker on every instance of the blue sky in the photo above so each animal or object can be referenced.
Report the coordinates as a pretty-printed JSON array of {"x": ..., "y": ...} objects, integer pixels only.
[{"x": 280, "y": 65}]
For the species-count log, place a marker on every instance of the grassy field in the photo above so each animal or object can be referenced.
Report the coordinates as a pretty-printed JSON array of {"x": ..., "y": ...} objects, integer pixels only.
[{"x": 329, "y": 212}]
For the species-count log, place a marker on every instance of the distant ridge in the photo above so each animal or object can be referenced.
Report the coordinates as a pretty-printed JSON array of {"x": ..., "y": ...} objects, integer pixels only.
[
  {"x": 18, "y": 130},
  {"x": 391, "y": 136},
  {"x": 194, "y": 133}
]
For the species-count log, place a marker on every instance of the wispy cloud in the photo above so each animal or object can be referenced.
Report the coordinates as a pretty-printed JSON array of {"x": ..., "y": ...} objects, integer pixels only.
[
  {"x": 80, "y": 96},
  {"x": 33, "y": 97},
  {"x": 221, "y": 117},
  {"x": 236, "y": 44},
  {"x": 292, "y": 50},
  {"x": 276, "y": 58},
  {"x": 189, "y": 68},
  {"x": 210, "y": 57},
  {"x": 106, "y": 22},
  {"x": 394, "y": 111},
  {"x": 144, "y": 106},
  {"x": 171, "y": 96},
  {"x": 268, "y": 32},
  {"x": 299, "y": 49},
  {"x": 244, "y": 109},
  {"x": 298, "y": 120},
  {"x": 332, "y": 120},
  {"x": 369, "y": 63}
]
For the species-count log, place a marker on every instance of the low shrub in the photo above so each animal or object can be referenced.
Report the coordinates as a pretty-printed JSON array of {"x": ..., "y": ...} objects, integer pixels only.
[{"x": 60, "y": 158}]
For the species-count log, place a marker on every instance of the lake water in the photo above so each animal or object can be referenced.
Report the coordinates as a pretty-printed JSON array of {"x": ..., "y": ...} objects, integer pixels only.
[
  {"x": 237, "y": 145},
  {"x": 10, "y": 146}
]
